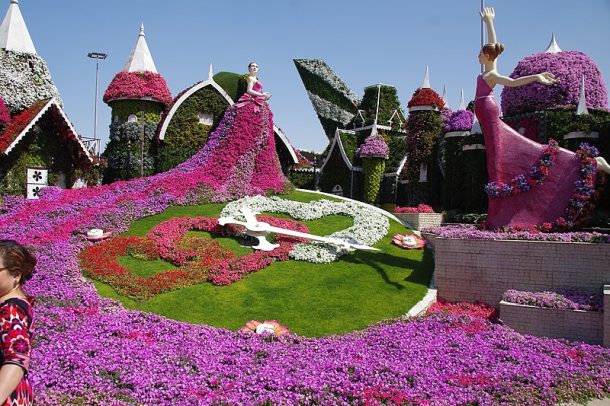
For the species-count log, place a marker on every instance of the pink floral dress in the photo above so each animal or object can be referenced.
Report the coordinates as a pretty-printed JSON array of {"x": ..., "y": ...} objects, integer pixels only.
[{"x": 16, "y": 333}]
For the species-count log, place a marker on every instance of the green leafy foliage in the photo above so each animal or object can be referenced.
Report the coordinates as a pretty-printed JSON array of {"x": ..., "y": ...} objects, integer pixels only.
[
  {"x": 388, "y": 104},
  {"x": 185, "y": 135},
  {"x": 373, "y": 172},
  {"x": 129, "y": 143}
]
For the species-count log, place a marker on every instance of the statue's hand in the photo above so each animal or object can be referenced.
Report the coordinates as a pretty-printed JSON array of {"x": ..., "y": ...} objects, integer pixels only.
[
  {"x": 267, "y": 95},
  {"x": 488, "y": 14},
  {"x": 547, "y": 78}
]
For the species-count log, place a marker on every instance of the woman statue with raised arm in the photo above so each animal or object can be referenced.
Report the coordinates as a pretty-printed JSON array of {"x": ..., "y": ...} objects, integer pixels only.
[{"x": 529, "y": 184}]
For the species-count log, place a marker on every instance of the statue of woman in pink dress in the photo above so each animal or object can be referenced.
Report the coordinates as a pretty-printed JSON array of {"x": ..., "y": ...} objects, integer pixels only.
[
  {"x": 529, "y": 184},
  {"x": 239, "y": 158}
]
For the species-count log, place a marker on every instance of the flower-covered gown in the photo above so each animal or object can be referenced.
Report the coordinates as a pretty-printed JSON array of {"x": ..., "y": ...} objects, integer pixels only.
[
  {"x": 15, "y": 336},
  {"x": 510, "y": 154},
  {"x": 240, "y": 158}
]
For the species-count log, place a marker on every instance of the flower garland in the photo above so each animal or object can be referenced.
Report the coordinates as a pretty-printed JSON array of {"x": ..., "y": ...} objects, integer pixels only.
[
  {"x": 522, "y": 183},
  {"x": 369, "y": 227},
  {"x": 198, "y": 259}
]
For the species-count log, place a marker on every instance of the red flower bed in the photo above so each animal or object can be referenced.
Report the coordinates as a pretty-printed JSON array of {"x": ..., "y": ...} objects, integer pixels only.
[
  {"x": 476, "y": 310},
  {"x": 138, "y": 85},
  {"x": 426, "y": 97},
  {"x": 199, "y": 259}
]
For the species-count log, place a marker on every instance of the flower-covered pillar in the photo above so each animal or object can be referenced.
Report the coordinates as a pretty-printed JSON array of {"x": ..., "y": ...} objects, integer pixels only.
[
  {"x": 423, "y": 129},
  {"x": 374, "y": 153},
  {"x": 456, "y": 127},
  {"x": 137, "y": 95}
]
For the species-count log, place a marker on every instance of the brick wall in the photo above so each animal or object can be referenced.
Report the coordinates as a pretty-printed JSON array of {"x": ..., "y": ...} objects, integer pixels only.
[
  {"x": 420, "y": 221},
  {"x": 482, "y": 270},
  {"x": 555, "y": 323}
]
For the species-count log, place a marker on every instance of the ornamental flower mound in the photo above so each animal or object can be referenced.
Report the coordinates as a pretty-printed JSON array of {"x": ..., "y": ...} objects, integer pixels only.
[
  {"x": 568, "y": 67},
  {"x": 374, "y": 147},
  {"x": 460, "y": 120},
  {"x": 426, "y": 97},
  {"x": 421, "y": 208},
  {"x": 566, "y": 300},
  {"x": 138, "y": 85}
]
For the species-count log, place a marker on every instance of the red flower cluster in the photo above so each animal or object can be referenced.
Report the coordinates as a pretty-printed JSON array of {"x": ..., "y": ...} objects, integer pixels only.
[
  {"x": 199, "y": 259},
  {"x": 19, "y": 123},
  {"x": 426, "y": 97},
  {"x": 475, "y": 310},
  {"x": 138, "y": 85},
  {"x": 422, "y": 208}
]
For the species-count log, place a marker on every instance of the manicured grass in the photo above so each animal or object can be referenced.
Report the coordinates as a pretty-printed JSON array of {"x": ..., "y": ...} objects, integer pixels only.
[{"x": 311, "y": 299}]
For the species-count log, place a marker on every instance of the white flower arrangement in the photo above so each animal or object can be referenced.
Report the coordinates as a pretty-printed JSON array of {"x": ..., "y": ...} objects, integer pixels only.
[
  {"x": 24, "y": 80},
  {"x": 369, "y": 226},
  {"x": 319, "y": 68},
  {"x": 329, "y": 110}
]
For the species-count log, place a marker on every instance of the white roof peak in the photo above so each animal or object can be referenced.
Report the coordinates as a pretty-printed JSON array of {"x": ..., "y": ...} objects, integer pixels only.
[
  {"x": 582, "y": 102},
  {"x": 462, "y": 105},
  {"x": 444, "y": 96},
  {"x": 426, "y": 84},
  {"x": 553, "y": 47},
  {"x": 210, "y": 72},
  {"x": 14, "y": 34},
  {"x": 140, "y": 59}
]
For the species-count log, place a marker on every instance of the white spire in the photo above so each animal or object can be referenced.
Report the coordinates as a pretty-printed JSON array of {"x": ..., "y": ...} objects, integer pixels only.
[
  {"x": 140, "y": 59},
  {"x": 462, "y": 105},
  {"x": 210, "y": 72},
  {"x": 14, "y": 34},
  {"x": 553, "y": 47},
  {"x": 444, "y": 96},
  {"x": 582, "y": 102},
  {"x": 426, "y": 84}
]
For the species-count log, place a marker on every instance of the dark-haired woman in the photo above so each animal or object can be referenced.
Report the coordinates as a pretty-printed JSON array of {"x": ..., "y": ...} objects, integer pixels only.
[
  {"x": 16, "y": 267},
  {"x": 524, "y": 190}
]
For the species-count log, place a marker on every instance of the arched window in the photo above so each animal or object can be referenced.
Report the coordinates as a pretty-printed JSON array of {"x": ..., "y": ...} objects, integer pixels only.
[
  {"x": 337, "y": 190},
  {"x": 132, "y": 118},
  {"x": 205, "y": 118}
]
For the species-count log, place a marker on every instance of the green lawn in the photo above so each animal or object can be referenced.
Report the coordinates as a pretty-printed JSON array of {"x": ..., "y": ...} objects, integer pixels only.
[{"x": 310, "y": 299}]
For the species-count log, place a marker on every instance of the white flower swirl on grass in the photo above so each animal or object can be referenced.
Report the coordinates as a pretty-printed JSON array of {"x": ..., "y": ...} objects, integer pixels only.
[{"x": 369, "y": 225}]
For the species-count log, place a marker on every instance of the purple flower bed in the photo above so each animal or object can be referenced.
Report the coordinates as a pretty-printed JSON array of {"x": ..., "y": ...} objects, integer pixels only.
[
  {"x": 374, "y": 147},
  {"x": 568, "y": 300},
  {"x": 90, "y": 350},
  {"x": 568, "y": 66},
  {"x": 460, "y": 120},
  {"x": 472, "y": 232}
]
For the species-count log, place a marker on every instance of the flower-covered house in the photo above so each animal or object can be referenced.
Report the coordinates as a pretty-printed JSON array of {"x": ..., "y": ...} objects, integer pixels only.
[{"x": 38, "y": 144}]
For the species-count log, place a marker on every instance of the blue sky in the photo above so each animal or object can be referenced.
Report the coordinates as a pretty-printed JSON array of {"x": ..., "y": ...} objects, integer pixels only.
[{"x": 364, "y": 42}]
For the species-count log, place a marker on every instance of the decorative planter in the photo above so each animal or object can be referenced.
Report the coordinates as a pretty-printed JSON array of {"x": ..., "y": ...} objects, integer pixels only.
[
  {"x": 578, "y": 325},
  {"x": 581, "y": 134},
  {"x": 452, "y": 134},
  {"x": 422, "y": 108},
  {"x": 420, "y": 221}
]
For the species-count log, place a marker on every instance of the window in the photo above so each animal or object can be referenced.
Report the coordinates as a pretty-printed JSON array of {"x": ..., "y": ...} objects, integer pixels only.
[
  {"x": 206, "y": 118},
  {"x": 337, "y": 190},
  {"x": 132, "y": 118},
  {"x": 423, "y": 172}
]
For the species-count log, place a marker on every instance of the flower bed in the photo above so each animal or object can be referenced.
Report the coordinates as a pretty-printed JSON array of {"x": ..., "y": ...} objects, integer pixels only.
[
  {"x": 420, "y": 217},
  {"x": 138, "y": 85},
  {"x": 566, "y": 300},
  {"x": 369, "y": 226}
]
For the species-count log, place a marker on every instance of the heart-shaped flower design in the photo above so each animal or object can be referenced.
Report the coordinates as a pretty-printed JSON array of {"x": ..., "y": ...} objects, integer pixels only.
[{"x": 198, "y": 259}]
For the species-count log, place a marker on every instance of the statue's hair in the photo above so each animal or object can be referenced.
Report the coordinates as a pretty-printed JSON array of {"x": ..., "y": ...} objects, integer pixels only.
[{"x": 493, "y": 50}]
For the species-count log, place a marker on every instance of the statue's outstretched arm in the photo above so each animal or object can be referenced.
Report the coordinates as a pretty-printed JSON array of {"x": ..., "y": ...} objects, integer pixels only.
[{"x": 488, "y": 15}]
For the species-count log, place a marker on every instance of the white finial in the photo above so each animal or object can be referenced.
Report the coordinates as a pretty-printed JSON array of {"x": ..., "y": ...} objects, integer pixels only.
[
  {"x": 444, "y": 97},
  {"x": 426, "y": 84},
  {"x": 140, "y": 59},
  {"x": 582, "y": 102},
  {"x": 210, "y": 72},
  {"x": 553, "y": 47},
  {"x": 14, "y": 34},
  {"x": 462, "y": 105}
]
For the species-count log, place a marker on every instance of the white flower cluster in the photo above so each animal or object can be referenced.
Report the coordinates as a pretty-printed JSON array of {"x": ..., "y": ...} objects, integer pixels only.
[
  {"x": 319, "y": 68},
  {"x": 24, "y": 80},
  {"x": 329, "y": 110},
  {"x": 369, "y": 225}
]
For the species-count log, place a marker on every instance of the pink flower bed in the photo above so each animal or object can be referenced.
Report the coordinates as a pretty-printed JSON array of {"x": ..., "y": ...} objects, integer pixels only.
[
  {"x": 422, "y": 208},
  {"x": 138, "y": 85}
]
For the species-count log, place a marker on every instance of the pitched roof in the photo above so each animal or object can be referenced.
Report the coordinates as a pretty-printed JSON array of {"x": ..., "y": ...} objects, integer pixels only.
[
  {"x": 14, "y": 34},
  {"x": 140, "y": 59},
  {"x": 22, "y": 123}
]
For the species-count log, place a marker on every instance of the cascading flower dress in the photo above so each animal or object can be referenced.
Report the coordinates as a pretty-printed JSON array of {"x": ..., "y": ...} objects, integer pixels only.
[
  {"x": 510, "y": 154},
  {"x": 240, "y": 157}
]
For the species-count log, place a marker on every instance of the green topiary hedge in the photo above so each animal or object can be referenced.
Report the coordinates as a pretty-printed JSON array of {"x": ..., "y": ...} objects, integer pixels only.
[{"x": 374, "y": 169}]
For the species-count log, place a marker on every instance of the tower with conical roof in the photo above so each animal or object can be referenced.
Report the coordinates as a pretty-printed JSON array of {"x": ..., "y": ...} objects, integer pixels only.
[{"x": 137, "y": 95}]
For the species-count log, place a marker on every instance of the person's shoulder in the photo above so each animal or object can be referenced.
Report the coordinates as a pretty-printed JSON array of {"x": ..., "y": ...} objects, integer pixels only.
[{"x": 16, "y": 303}]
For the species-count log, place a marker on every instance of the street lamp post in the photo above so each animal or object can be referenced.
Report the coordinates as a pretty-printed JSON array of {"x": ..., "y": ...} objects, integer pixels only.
[{"x": 97, "y": 56}]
